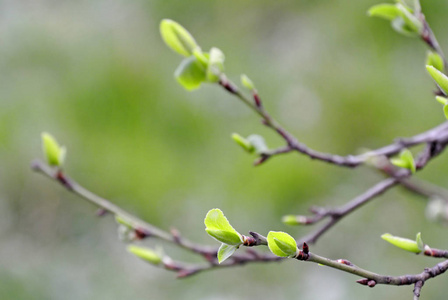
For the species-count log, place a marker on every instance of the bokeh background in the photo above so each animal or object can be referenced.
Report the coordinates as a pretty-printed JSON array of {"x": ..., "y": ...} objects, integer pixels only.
[{"x": 96, "y": 74}]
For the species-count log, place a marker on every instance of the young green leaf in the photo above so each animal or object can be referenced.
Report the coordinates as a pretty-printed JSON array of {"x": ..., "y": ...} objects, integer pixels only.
[
  {"x": 419, "y": 241},
  {"x": 218, "y": 227},
  {"x": 435, "y": 60},
  {"x": 177, "y": 37},
  {"x": 282, "y": 244},
  {"x": 244, "y": 143},
  {"x": 405, "y": 244},
  {"x": 385, "y": 11},
  {"x": 215, "y": 65},
  {"x": 54, "y": 153},
  {"x": 190, "y": 73},
  {"x": 440, "y": 78},
  {"x": 225, "y": 251},
  {"x": 146, "y": 254},
  {"x": 442, "y": 100},
  {"x": 405, "y": 160},
  {"x": 247, "y": 83},
  {"x": 258, "y": 142}
]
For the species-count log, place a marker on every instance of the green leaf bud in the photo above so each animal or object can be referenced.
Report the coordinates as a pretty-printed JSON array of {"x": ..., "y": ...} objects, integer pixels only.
[
  {"x": 54, "y": 153},
  {"x": 411, "y": 21},
  {"x": 146, "y": 254},
  {"x": 225, "y": 251},
  {"x": 445, "y": 111},
  {"x": 122, "y": 221},
  {"x": 218, "y": 227},
  {"x": 290, "y": 220},
  {"x": 282, "y": 244},
  {"x": 177, "y": 37},
  {"x": 440, "y": 78},
  {"x": 244, "y": 143},
  {"x": 190, "y": 73},
  {"x": 405, "y": 160},
  {"x": 405, "y": 244}
]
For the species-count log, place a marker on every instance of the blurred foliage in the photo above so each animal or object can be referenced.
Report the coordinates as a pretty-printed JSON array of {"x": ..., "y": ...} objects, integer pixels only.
[{"x": 97, "y": 76}]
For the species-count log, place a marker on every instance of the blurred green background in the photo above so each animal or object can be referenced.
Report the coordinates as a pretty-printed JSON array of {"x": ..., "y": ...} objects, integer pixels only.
[{"x": 97, "y": 76}]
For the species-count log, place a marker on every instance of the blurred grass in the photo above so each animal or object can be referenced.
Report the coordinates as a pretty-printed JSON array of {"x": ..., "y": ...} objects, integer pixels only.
[{"x": 97, "y": 76}]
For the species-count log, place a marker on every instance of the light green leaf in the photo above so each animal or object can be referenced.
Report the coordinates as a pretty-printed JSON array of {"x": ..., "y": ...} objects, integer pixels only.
[
  {"x": 405, "y": 160},
  {"x": 244, "y": 143},
  {"x": 190, "y": 73},
  {"x": 440, "y": 78},
  {"x": 419, "y": 241},
  {"x": 442, "y": 100},
  {"x": 146, "y": 254},
  {"x": 177, "y": 37},
  {"x": 258, "y": 142},
  {"x": 405, "y": 244},
  {"x": 225, "y": 251},
  {"x": 282, "y": 244},
  {"x": 435, "y": 60},
  {"x": 54, "y": 153},
  {"x": 247, "y": 83},
  {"x": 385, "y": 11},
  {"x": 216, "y": 65},
  {"x": 218, "y": 227}
]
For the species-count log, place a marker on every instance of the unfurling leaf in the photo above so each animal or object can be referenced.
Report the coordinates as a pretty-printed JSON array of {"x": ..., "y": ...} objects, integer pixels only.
[
  {"x": 405, "y": 244},
  {"x": 247, "y": 83},
  {"x": 440, "y": 78},
  {"x": 419, "y": 241},
  {"x": 244, "y": 143},
  {"x": 215, "y": 65},
  {"x": 258, "y": 142},
  {"x": 190, "y": 73},
  {"x": 218, "y": 227},
  {"x": 435, "y": 60},
  {"x": 405, "y": 160},
  {"x": 177, "y": 37},
  {"x": 146, "y": 254},
  {"x": 282, "y": 244},
  {"x": 54, "y": 153},
  {"x": 385, "y": 11},
  {"x": 225, "y": 251}
]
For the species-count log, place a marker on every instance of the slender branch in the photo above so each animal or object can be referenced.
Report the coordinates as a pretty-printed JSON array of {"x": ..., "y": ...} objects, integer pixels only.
[
  {"x": 350, "y": 161},
  {"x": 417, "y": 288}
]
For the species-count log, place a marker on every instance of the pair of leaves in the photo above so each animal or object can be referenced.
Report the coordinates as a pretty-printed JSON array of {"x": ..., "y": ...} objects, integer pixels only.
[
  {"x": 253, "y": 143},
  {"x": 54, "y": 153},
  {"x": 219, "y": 228},
  {"x": 197, "y": 67},
  {"x": 405, "y": 160},
  {"x": 401, "y": 16},
  {"x": 415, "y": 246}
]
